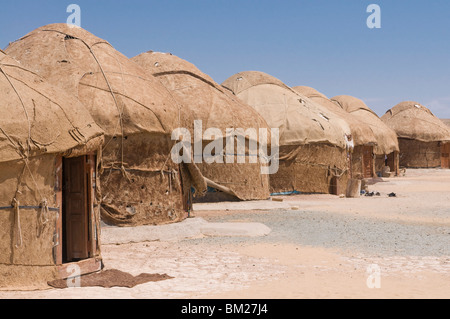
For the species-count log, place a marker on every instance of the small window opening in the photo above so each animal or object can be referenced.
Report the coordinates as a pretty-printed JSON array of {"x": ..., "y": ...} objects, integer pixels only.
[{"x": 69, "y": 37}]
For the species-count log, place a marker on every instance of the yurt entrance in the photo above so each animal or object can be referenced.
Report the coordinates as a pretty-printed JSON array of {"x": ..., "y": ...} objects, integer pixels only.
[
  {"x": 445, "y": 155},
  {"x": 393, "y": 162},
  {"x": 76, "y": 199},
  {"x": 76, "y": 231},
  {"x": 367, "y": 161}
]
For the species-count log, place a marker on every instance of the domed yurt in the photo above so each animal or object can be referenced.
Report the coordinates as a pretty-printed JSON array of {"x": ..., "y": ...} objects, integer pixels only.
[
  {"x": 362, "y": 136},
  {"x": 140, "y": 183},
  {"x": 49, "y": 146},
  {"x": 313, "y": 147},
  {"x": 423, "y": 138},
  {"x": 204, "y": 100},
  {"x": 384, "y": 157}
]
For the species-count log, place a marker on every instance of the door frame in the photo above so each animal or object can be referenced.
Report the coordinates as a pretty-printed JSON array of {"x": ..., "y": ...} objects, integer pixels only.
[
  {"x": 445, "y": 155},
  {"x": 367, "y": 155},
  {"x": 93, "y": 262}
]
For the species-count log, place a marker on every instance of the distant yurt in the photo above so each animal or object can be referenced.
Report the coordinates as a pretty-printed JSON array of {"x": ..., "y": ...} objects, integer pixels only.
[
  {"x": 204, "y": 100},
  {"x": 140, "y": 183},
  {"x": 362, "y": 136},
  {"x": 386, "y": 151},
  {"x": 313, "y": 147},
  {"x": 423, "y": 138},
  {"x": 49, "y": 146}
]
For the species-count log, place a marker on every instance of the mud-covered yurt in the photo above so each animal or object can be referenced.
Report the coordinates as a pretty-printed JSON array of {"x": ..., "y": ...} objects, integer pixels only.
[
  {"x": 49, "y": 146},
  {"x": 386, "y": 151},
  {"x": 424, "y": 139},
  {"x": 204, "y": 100},
  {"x": 140, "y": 183},
  {"x": 446, "y": 122},
  {"x": 362, "y": 136},
  {"x": 313, "y": 146}
]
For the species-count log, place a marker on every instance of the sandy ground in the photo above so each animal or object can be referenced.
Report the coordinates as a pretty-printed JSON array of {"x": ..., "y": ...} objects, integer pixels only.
[{"x": 320, "y": 246}]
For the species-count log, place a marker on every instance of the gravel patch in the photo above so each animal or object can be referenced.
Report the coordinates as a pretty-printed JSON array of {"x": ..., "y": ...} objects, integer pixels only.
[{"x": 346, "y": 232}]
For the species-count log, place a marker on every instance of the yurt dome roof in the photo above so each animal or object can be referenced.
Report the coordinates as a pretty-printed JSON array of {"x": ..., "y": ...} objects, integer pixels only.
[{"x": 412, "y": 120}]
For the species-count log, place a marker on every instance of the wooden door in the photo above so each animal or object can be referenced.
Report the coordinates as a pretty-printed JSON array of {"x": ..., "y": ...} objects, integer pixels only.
[
  {"x": 367, "y": 161},
  {"x": 186, "y": 191},
  {"x": 393, "y": 162},
  {"x": 445, "y": 155},
  {"x": 76, "y": 208}
]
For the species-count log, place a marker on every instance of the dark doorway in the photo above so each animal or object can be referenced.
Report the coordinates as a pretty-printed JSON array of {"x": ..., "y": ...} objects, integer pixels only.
[
  {"x": 367, "y": 161},
  {"x": 76, "y": 208},
  {"x": 445, "y": 155},
  {"x": 393, "y": 162}
]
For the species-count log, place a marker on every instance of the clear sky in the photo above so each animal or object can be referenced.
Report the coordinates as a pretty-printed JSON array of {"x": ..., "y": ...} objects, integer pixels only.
[{"x": 325, "y": 44}]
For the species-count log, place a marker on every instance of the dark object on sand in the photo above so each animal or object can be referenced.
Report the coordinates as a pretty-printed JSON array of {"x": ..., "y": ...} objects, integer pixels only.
[
  {"x": 110, "y": 278},
  {"x": 392, "y": 195}
]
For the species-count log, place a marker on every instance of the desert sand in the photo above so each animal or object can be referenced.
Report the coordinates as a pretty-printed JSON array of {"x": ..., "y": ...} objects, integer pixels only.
[{"x": 320, "y": 246}]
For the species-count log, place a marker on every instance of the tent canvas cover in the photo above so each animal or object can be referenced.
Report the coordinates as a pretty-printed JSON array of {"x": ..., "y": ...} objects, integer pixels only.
[
  {"x": 140, "y": 183},
  {"x": 200, "y": 98},
  {"x": 40, "y": 127},
  {"x": 362, "y": 136},
  {"x": 387, "y": 143},
  {"x": 313, "y": 147}
]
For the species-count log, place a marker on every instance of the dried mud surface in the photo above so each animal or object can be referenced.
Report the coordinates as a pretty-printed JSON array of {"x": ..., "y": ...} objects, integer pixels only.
[{"x": 320, "y": 246}]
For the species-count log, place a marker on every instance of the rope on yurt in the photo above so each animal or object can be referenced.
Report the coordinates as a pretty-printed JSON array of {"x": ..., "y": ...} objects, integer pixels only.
[
  {"x": 18, "y": 233},
  {"x": 173, "y": 172},
  {"x": 333, "y": 171},
  {"x": 11, "y": 141},
  {"x": 24, "y": 109},
  {"x": 42, "y": 219},
  {"x": 67, "y": 36},
  {"x": 25, "y": 154},
  {"x": 77, "y": 138},
  {"x": 115, "y": 102},
  {"x": 122, "y": 167}
]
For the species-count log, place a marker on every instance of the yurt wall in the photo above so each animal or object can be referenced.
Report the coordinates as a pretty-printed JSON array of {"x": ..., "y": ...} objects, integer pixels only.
[
  {"x": 418, "y": 154},
  {"x": 201, "y": 99},
  {"x": 313, "y": 154},
  {"x": 387, "y": 142}
]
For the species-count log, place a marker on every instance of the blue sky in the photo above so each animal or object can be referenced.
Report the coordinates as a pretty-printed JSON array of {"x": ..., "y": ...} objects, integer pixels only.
[{"x": 319, "y": 43}]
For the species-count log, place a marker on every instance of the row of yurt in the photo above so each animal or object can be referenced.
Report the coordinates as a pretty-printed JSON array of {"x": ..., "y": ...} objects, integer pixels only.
[
  {"x": 121, "y": 169},
  {"x": 362, "y": 136},
  {"x": 88, "y": 136},
  {"x": 386, "y": 150},
  {"x": 139, "y": 183},
  {"x": 312, "y": 140},
  {"x": 49, "y": 148},
  {"x": 423, "y": 138}
]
